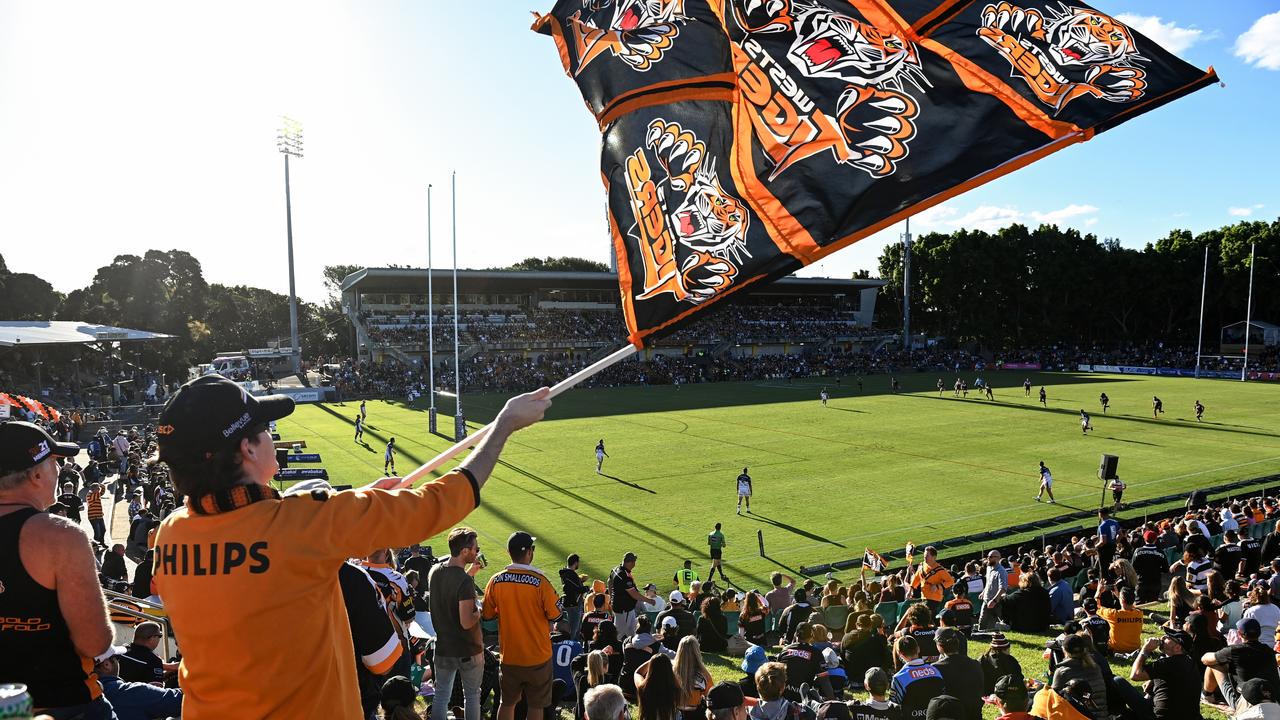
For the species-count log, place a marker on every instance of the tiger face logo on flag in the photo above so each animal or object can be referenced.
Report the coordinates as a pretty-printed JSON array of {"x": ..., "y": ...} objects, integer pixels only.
[
  {"x": 691, "y": 233},
  {"x": 1066, "y": 54},
  {"x": 638, "y": 32},
  {"x": 873, "y": 119}
]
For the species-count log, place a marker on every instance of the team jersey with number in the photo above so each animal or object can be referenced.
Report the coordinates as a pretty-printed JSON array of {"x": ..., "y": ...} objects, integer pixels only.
[{"x": 524, "y": 601}]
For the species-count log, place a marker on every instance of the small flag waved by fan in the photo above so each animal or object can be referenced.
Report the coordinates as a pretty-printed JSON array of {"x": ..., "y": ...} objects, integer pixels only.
[
  {"x": 872, "y": 559},
  {"x": 911, "y": 553}
]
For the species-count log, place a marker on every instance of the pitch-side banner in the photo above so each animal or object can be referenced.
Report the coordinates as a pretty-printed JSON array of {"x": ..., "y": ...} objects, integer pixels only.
[{"x": 744, "y": 139}]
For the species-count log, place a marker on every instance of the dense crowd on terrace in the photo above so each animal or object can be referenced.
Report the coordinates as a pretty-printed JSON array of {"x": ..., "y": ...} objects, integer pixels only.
[{"x": 926, "y": 640}]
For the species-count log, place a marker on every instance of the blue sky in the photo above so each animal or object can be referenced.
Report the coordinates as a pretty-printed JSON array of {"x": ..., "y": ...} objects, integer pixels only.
[{"x": 125, "y": 127}]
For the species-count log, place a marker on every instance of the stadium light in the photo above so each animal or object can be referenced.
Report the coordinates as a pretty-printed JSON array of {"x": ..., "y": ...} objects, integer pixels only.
[
  {"x": 459, "y": 422},
  {"x": 431, "y": 332},
  {"x": 1248, "y": 317},
  {"x": 289, "y": 143}
]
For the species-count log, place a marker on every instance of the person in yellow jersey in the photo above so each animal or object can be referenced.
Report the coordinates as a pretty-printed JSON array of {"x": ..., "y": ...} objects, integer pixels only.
[{"x": 250, "y": 579}]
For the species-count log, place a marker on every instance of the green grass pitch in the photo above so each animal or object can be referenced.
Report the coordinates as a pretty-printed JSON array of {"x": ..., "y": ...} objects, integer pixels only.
[{"x": 872, "y": 469}]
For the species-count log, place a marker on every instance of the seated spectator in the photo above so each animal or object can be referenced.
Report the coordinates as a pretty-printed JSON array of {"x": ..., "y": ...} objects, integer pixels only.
[
  {"x": 1261, "y": 608},
  {"x": 1099, "y": 629},
  {"x": 1257, "y": 702},
  {"x": 686, "y": 622},
  {"x": 876, "y": 682},
  {"x": 1010, "y": 697},
  {"x": 712, "y": 629},
  {"x": 693, "y": 678},
  {"x": 1126, "y": 623},
  {"x": 803, "y": 661},
  {"x": 590, "y": 676},
  {"x": 917, "y": 623},
  {"x": 833, "y": 672},
  {"x": 1174, "y": 680},
  {"x": 1027, "y": 608},
  {"x": 961, "y": 673},
  {"x": 962, "y": 606},
  {"x": 398, "y": 697},
  {"x": 657, "y": 692},
  {"x": 113, "y": 566},
  {"x": 605, "y": 639},
  {"x": 1233, "y": 666},
  {"x": 916, "y": 683},
  {"x": 945, "y": 707},
  {"x": 134, "y": 700},
  {"x": 997, "y": 662},
  {"x": 605, "y": 702},
  {"x": 796, "y": 614},
  {"x": 751, "y": 620},
  {"x": 1081, "y": 665},
  {"x": 752, "y": 659},
  {"x": 864, "y": 648},
  {"x": 1061, "y": 598},
  {"x": 148, "y": 667},
  {"x": 771, "y": 681}
]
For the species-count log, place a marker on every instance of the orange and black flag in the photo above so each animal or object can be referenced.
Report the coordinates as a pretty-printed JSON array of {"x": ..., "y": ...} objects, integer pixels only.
[
  {"x": 873, "y": 560},
  {"x": 743, "y": 139}
]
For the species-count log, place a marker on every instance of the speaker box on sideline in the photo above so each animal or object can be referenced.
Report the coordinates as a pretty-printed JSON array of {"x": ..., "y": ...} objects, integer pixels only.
[{"x": 1108, "y": 466}]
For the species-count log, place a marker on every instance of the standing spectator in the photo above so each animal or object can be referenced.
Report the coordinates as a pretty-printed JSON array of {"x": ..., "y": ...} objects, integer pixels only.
[
  {"x": 398, "y": 597},
  {"x": 523, "y": 601},
  {"x": 1175, "y": 679},
  {"x": 916, "y": 683},
  {"x": 993, "y": 591},
  {"x": 94, "y": 503},
  {"x": 778, "y": 598},
  {"x": 134, "y": 700},
  {"x": 49, "y": 573},
  {"x": 215, "y": 440},
  {"x": 1126, "y": 623},
  {"x": 932, "y": 580},
  {"x": 961, "y": 673},
  {"x": 1150, "y": 564},
  {"x": 624, "y": 596},
  {"x": 120, "y": 448},
  {"x": 1108, "y": 531},
  {"x": 572, "y": 591},
  {"x": 72, "y": 502},
  {"x": 1237, "y": 664},
  {"x": 459, "y": 649},
  {"x": 598, "y": 615}
]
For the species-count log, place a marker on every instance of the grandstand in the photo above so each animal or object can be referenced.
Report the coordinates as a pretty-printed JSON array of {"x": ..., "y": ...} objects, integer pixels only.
[{"x": 536, "y": 312}]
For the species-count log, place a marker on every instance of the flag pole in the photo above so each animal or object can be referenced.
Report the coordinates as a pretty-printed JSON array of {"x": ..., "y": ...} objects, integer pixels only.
[
  {"x": 431, "y": 331},
  {"x": 459, "y": 423},
  {"x": 475, "y": 437},
  {"x": 1248, "y": 317},
  {"x": 1204, "y": 282},
  {"x": 906, "y": 289}
]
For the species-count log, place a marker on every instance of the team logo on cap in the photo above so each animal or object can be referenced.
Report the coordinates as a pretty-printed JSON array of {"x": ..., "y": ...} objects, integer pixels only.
[
  {"x": 164, "y": 430},
  {"x": 40, "y": 451}
]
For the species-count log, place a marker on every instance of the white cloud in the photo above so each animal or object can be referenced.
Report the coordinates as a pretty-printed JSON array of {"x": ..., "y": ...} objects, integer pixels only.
[
  {"x": 1056, "y": 217},
  {"x": 1091, "y": 222},
  {"x": 1260, "y": 44},
  {"x": 1165, "y": 34},
  {"x": 936, "y": 216},
  {"x": 1243, "y": 211},
  {"x": 988, "y": 217}
]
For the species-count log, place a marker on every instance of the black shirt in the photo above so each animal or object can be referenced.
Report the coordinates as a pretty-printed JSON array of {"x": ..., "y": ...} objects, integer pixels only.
[
  {"x": 572, "y": 588},
  {"x": 1150, "y": 564},
  {"x": 145, "y": 667},
  {"x": 1252, "y": 555},
  {"x": 963, "y": 677},
  {"x": 867, "y": 711},
  {"x": 74, "y": 505},
  {"x": 1176, "y": 687},
  {"x": 1250, "y": 660},
  {"x": 620, "y": 581},
  {"x": 1228, "y": 558},
  {"x": 803, "y": 662}
]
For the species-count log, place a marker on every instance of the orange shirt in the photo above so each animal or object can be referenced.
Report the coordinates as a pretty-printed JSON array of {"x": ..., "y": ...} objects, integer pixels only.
[
  {"x": 254, "y": 598},
  {"x": 94, "y": 501},
  {"x": 524, "y": 602},
  {"x": 1126, "y": 628},
  {"x": 932, "y": 581}
]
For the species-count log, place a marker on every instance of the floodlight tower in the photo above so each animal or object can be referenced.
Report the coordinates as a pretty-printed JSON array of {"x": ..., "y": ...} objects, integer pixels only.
[{"x": 289, "y": 143}]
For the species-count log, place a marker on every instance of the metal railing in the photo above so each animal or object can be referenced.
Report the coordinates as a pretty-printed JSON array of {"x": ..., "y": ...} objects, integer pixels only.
[{"x": 114, "y": 600}]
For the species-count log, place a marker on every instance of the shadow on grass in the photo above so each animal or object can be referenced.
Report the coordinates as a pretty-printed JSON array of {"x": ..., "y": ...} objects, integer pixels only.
[
  {"x": 1132, "y": 442},
  {"x": 628, "y": 484},
  {"x": 790, "y": 528},
  {"x": 861, "y": 412},
  {"x": 370, "y": 430}
]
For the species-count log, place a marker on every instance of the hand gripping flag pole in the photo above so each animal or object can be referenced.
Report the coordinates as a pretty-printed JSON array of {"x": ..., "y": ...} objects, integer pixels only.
[{"x": 453, "y": 450}]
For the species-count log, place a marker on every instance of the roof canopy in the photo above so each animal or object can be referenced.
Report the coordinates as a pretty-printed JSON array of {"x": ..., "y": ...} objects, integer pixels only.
[{"x": 27, "y": 333}]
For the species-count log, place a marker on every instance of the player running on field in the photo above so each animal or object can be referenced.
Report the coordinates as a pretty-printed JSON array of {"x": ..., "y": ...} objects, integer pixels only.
[
  {"x": 600, "y": 456},
  {"x": 1026, "y": 387},
  {"x": 940, "y": 386},
  {"x": 1044, "y": 398},
  {"x": 1046, "y": 484},
  {"x": 744, "y": 491},
  {"x": 389, "y": 458},
  {"x": 1199, "y": 412},
  {"x": 990, "y": 395},
  {"x": 1105, "y": 402},
  {"x": 823, "y": 396},
  {"x": 1157, "y": 407},
  {"x": 1085, "y": 425},
  {"x": 359, "y": 429},
  {"x": 955, "y": 390}
]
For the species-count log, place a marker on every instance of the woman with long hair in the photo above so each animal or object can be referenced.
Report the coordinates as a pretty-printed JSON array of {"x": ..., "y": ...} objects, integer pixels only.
[
  {"x": 1261, "y": 609},
  {"x": 1181, "y": 600},
  {"x": 1080, "y": 665},
  {"x": 751, "y": 619},
  {"x": 593, "y": 675},
  {"x": 657, "y": 691},
  {"x": 605, "y": 639},
  {"x": 712, "y": 629},
  {"x": 693, "y": 678},
  {"x": 1122, "y": 570}
]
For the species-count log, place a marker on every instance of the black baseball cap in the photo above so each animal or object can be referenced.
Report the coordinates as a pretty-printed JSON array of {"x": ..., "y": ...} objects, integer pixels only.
[
  {"x": 1179, "y": 636},
  {"x": 725, "y": 696},
  {"x": 1255, "y": 691},
  {"x": 520, "y": 542},
  {"x": 945, "y": 707},
  {"x": 24, "y": 446},
  {"x": 212, "y": 413},
  {"x": 1010, "y": 687}
]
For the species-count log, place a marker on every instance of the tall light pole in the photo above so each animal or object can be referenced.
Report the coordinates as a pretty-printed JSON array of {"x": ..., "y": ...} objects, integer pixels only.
[
  {"x": 1248, "y": 317},
  {"x": 459, "y": 422},
  {"x": 431, "y": 332},
  {"x": 906, "y": 288},
  {"x": 1204, "y": 283},
  {"x": 289, "y": 143}
]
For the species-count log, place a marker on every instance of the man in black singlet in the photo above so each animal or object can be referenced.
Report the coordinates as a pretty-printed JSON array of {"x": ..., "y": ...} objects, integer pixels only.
[{"x": 50, "y": 581}]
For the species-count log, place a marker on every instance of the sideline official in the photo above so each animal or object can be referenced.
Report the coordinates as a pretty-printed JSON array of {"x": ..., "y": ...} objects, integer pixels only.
[{"x": 250, "y": 580}]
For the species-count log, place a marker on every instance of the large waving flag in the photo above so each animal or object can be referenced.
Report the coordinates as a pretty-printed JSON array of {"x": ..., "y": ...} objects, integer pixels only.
[{"x": 744, "y": 139}]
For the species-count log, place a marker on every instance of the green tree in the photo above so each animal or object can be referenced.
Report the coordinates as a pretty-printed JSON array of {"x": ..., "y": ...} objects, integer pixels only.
[{"x": 560, "y": 264}]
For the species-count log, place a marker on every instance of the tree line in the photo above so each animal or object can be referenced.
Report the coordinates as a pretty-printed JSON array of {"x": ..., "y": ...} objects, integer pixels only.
[{"x": 1020, "y": 287}]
